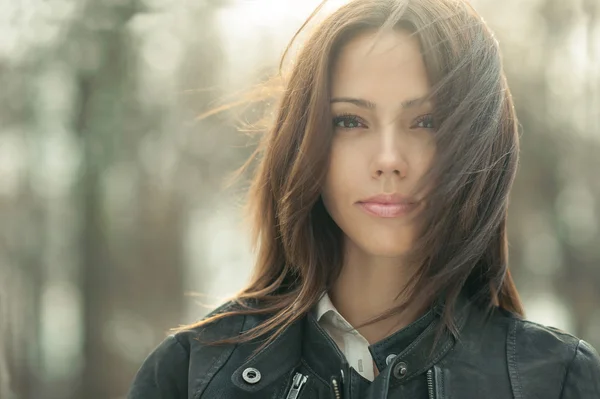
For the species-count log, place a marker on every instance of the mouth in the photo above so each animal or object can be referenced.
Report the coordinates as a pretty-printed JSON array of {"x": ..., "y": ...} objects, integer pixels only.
[
  {"x": 388, "y": 205},
  {"x": 387, "y": 210}
]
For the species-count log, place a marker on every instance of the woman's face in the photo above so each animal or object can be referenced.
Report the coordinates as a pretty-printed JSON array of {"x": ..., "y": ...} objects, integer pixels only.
[{"x": 382, "y": 144}]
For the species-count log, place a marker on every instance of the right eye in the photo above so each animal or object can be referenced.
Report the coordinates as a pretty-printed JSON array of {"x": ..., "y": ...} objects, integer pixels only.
[{"x": 347, "y": 122}]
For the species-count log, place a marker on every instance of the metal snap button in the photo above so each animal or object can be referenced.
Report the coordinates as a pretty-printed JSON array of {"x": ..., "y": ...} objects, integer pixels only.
[
  {"x": 251, "y": 375},
  {"x": 400, "y": 370},
  {"x": 389, "y": 358}
]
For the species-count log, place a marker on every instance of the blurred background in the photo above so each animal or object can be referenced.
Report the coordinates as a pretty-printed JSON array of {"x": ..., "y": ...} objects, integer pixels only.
[{"x": 112, "y": 205}]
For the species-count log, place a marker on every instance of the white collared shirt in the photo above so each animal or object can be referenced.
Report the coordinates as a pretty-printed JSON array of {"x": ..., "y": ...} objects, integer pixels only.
[{"x": 352, "y": 344}]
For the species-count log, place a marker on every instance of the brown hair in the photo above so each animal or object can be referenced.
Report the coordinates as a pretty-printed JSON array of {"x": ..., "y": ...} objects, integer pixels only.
[{"x": 462, "y": 245}]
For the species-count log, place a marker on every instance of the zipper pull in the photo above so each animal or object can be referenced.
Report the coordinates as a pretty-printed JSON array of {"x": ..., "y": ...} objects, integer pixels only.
[{"x": 297, "y": 383}]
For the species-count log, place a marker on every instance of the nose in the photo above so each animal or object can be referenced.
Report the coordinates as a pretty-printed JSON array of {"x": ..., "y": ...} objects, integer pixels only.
[{"x": 390, "y": 159}]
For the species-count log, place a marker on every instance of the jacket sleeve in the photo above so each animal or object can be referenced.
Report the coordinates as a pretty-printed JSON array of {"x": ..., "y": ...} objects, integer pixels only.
[
  {"x": 582, "y": 380},
  {"x": 163, "y": 374}
]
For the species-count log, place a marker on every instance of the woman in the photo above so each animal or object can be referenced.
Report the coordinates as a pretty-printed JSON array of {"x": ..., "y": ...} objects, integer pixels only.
[{"x": 379, "y": 205}]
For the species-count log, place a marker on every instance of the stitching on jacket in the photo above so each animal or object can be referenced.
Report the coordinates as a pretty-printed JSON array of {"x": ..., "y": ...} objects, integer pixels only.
[
  {"x": 180, "y": 345},
  {"x": 418, "y": 324},
  {"x": 354, "y": 387},
  {"x": 442, "y": 383},
  {"x": 564, "y": 381},
  {"x": 266, "y": 348},
  {"x": 327, "y": 337},
  {"x": 386, "y": 385},
  {"x": 215, "y": 366},
  {"x": 417, "y": 341},
  {"x": 511, "y": 346},
  {"x": 410, "y": 347}
]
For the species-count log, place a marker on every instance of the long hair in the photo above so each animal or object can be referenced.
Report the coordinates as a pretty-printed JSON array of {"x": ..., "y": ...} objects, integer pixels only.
[{"x": 462, "y": 242}]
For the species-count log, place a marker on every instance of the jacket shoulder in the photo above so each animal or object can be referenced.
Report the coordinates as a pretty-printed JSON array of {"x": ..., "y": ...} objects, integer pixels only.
[
  {"x": 219, "y": 329},
  {"x": 182, "y": 365},
  {"x": 528, "y": 334},
  {"x": 549, "y": 361}
]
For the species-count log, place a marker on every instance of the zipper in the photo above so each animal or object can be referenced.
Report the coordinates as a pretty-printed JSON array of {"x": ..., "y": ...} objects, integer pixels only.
[
  {"x": 336, "y": 388},
  {"x": 430, "y": 387},
  {"x": 297, "y": 383},
  {"x": 339, "y": 383}
]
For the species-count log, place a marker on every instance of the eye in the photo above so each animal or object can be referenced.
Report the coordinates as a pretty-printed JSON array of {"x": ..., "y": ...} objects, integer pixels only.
[
  {"x": 425, "y": 122},
  {"x": 347, "y": 121}
]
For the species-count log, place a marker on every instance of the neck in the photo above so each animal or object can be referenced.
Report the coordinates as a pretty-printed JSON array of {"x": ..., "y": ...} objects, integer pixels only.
[{"x": 369, "y": 286}]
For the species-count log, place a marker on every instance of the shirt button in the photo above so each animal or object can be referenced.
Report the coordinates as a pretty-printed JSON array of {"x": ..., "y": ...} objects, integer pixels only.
[
  {"x": 389, "y": 358},
  {"x": 251, "y": 375},
  {"x": 400, "y": 370}
]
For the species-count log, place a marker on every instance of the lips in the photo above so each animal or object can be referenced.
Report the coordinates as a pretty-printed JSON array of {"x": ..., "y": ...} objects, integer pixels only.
[
  {"x": 387, "y": 210},
  {"x": 388, "y": 205}
]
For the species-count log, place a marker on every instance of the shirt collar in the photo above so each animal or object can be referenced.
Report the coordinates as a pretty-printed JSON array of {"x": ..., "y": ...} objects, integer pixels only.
[{"x": 324, "y": 306}]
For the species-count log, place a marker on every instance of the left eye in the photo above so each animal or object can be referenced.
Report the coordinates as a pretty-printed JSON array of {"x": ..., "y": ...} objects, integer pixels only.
[
  {"x": 425, "y": 121},
  {"x": 347, "y": 122}
]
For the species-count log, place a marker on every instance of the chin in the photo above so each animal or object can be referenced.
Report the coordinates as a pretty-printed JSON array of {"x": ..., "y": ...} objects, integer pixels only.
[{"x": 384, "y": 248}]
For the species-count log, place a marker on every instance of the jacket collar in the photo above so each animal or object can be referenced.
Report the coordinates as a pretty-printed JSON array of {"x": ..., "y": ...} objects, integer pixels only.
[{"x": 306, "y": 340}]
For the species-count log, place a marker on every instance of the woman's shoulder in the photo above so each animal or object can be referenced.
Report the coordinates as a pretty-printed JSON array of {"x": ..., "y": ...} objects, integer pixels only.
[
  {"x": 539, "y": 355},
  {"x": 195, "y": 335},
  {"x": 164, "y": 372},
  {"x": 528, "y": 334},
  {"x": 530, "y": 337}
]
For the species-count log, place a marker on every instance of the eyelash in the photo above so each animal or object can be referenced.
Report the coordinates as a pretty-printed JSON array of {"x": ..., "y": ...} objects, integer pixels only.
[{"x": 426, "y": 119}]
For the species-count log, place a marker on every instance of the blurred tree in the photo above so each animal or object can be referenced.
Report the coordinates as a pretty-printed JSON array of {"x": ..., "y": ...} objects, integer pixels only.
[
  {"x": 106, "y": 111},
  {"x": 558, "y": 163},
  {"x": 133, "y": 273}
]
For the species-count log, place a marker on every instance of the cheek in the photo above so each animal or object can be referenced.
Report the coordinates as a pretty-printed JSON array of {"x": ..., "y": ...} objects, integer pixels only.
[
  {"x": 423, "y": 158},
  {"x": 343, "y": 171}
]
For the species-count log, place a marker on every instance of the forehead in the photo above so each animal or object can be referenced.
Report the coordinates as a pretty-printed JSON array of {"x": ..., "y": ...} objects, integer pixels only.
[{"x": 385, "y": 68}]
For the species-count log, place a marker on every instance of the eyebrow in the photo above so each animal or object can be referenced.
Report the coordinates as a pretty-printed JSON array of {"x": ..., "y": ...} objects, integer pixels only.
[{"x": 413, "y": 102}]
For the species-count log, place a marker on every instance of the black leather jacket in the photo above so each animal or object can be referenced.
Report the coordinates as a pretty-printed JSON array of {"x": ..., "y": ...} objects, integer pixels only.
[{"x": 495, "y": 357}]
